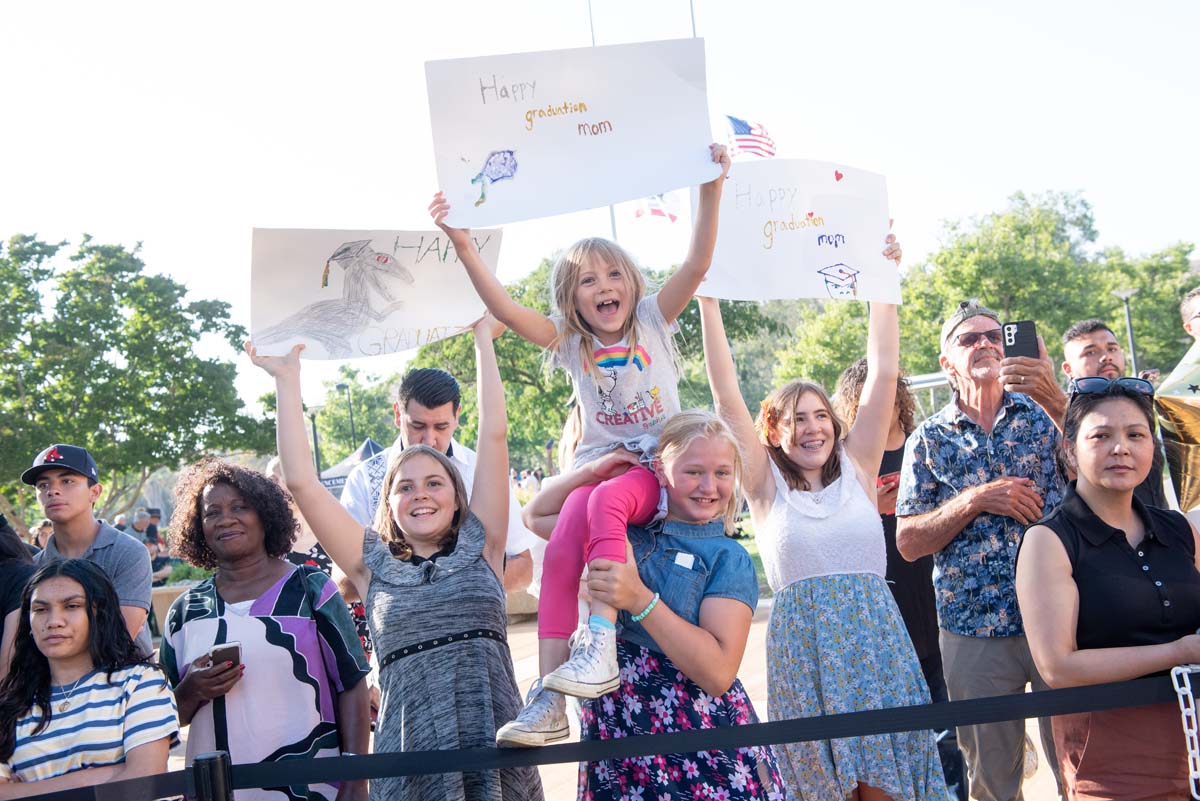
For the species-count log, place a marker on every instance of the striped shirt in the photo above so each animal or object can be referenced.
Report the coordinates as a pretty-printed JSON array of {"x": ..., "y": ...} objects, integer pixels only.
[{"x": 103, "y": 722}]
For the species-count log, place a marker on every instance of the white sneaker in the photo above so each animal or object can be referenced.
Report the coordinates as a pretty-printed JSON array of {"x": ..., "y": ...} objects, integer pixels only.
[
  {"x": 543, "y": 720},
  {"x": 592, "y": 669}
]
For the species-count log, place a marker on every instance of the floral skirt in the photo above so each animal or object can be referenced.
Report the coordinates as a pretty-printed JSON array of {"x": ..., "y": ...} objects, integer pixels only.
[
  {"x": 838, "y": 644},
  {"x": 656, "y": 697}
]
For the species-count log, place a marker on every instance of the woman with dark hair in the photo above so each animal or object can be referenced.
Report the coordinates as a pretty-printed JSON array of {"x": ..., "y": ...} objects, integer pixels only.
[
  {"x": 911, "y": 582},
  {"x": 79, "y": 706},
  {"x": 1109, "y": 589},
  {"x": 836, "y": 642},
  {"x": 16, "y": 566},
  {"x": 297, "y": 691},
  {"x": 431, "y": 573}
]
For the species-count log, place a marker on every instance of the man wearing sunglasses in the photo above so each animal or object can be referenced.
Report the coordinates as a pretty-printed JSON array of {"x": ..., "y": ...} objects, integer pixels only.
[{"x": 975, "y": 474}]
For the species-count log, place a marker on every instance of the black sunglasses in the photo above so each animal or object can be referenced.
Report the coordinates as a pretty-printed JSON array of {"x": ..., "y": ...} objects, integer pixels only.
[
  {"x": 1098, "y": 385},
  {"x": 972, "y": 338}
]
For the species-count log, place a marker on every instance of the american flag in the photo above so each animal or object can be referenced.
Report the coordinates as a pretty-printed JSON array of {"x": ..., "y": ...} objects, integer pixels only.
[
  {"x": 663, "y": 205},
  {"x": 751, "y": 138}
]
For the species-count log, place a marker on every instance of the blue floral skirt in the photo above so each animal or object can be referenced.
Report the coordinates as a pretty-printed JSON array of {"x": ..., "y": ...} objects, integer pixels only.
[
  {"x": 838, "y": 644},
  {"x": 655, "y": 697}
]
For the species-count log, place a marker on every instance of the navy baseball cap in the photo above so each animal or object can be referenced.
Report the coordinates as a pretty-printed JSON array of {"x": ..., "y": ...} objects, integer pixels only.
[{"x": 66, "y": 457}]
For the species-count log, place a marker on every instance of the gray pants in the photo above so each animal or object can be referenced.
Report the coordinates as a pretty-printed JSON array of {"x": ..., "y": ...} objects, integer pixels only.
[{"x": 978, "y": 667}]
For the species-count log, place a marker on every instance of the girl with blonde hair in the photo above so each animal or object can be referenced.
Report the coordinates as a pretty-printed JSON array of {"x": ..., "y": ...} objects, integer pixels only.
[
  {"x": 836, "y": 642},
  {"x": 616, "y": 342},
  {"x": 686, "y": 594}
]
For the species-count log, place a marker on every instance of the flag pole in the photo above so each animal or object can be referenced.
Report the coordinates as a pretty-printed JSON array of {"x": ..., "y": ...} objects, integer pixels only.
[
  {"x": 612, "y": 213},
  {"x": 691, "y": 8}
]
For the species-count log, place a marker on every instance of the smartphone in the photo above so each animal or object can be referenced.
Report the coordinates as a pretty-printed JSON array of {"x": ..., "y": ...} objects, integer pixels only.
[
  {"x": 1020, "y": 339},
  {"x": 888, "y": 478},
  {"x": 226, "y": 652}
]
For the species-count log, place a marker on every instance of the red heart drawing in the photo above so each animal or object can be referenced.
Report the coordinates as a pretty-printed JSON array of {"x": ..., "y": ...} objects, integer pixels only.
[
  {"x": 837, "y": 175},
  {"x": 810, "y": 215}
]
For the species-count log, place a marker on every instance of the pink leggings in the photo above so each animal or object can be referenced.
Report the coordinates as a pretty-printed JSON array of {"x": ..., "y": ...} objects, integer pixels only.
[{"x": 590, "y": 526}]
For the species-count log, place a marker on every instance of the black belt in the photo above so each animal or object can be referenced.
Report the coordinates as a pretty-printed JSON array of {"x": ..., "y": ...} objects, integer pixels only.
[{"x": 421, "y": 647}]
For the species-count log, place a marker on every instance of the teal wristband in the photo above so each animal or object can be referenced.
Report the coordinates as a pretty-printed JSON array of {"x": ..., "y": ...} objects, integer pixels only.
[{"x": 649, "y": 608}]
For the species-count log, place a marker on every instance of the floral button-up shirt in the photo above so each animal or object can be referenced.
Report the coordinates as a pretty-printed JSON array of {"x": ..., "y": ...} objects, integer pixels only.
[{"x": 948, "y": 453}]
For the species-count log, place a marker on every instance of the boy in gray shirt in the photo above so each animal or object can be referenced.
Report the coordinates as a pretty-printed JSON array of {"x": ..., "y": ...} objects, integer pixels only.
[{"x": 67, "y": 484}]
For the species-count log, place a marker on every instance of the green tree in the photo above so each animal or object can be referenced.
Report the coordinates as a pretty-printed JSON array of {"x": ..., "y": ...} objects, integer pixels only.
[
  {"x": 539, "y": 398},
  {"x": 372, "y": 396},
  {"x": 96, "y": 352}
]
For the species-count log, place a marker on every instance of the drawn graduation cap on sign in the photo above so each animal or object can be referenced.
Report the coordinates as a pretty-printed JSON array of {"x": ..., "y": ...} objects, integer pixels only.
[
  {"x": 841, "y": 280},
  {"x": 343, "y": 255}
]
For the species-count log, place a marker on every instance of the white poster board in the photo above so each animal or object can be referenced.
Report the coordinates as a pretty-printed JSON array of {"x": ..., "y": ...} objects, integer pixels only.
[
  {"x": 349, "y": 294},
  {"x": 792, "y": 228},
  {"x": 534, "y": 134}
]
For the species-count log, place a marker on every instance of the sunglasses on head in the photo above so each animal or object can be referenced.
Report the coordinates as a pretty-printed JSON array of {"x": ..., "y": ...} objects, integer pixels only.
[
  {"x": 1098, "y": 385},
  {"x": 972, "y": 338}
]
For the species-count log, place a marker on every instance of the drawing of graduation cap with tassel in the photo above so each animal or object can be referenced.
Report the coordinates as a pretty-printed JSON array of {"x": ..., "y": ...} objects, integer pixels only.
[{"x": 841, "y": 280}]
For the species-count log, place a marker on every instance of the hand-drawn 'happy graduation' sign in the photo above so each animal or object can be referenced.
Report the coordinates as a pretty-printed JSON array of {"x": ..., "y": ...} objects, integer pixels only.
[
  {"x": 802, "y": 229},
  {"x": 347, "y": 294},
  {"x": 534, "y": 134}
]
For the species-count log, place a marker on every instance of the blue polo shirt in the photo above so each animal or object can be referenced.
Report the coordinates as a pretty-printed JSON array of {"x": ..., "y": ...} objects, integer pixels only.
[{"x": 974, "y": 574}]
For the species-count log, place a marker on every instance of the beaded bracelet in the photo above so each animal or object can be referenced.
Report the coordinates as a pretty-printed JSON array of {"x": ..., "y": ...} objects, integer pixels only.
[{"x": 649, "y": 607}]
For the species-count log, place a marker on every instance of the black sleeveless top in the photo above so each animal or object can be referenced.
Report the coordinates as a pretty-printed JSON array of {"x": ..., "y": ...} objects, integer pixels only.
[{"x": 1146, "y": 595}]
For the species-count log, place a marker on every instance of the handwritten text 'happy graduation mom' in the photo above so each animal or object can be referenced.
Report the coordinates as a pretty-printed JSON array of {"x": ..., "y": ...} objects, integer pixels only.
[{"x": 522, "y": 92}]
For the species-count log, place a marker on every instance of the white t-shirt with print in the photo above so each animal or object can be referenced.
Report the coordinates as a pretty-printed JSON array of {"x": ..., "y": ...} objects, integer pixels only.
[{"x": 637, "y": 392}]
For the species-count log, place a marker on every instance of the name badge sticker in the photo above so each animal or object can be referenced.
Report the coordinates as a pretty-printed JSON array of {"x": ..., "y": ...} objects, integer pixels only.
[{"x": 685, "y": 560}]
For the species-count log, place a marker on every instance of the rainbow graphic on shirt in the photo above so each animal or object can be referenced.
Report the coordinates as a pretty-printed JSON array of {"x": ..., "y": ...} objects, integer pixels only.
[{"x": 620, "y": 355}]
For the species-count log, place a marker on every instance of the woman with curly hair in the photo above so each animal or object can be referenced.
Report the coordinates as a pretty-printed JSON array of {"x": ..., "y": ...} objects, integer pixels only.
[
  {"x": 431, "y": 573},
  {"x": 297, "y": 691},
  {"x": 80, "y": 706}
]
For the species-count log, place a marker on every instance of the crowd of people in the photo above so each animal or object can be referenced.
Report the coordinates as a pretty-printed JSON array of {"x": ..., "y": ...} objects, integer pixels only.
[{"x": 1019, "y": 536}]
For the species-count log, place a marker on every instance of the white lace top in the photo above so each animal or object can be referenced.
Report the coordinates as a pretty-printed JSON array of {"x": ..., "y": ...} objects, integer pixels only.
[{"x": 809, "y": 534}]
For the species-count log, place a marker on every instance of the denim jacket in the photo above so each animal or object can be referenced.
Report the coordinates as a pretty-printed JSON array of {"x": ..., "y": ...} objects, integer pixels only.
[{"x": 686, "y": 563}]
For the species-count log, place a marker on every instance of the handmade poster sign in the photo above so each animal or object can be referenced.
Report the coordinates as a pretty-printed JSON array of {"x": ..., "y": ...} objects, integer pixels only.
[
  {"x": 347, "y": 294},
  {"x": 802, "y": 229},
  {"x": 534, "y": 134}
]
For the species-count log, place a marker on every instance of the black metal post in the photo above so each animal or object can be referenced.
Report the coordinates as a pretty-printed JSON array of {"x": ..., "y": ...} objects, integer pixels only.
[
  {"x": 350, "y": 406},
  {"x": 312, "y": 417},
  {"x": 212, "y": 777}
]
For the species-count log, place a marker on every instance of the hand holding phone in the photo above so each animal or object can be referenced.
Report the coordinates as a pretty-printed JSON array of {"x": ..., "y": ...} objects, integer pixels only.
[{"x": 226, "y": 652}]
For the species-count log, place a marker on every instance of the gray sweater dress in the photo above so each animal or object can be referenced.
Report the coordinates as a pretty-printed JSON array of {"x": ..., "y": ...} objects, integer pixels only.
[{"x": 445, "y": 671}]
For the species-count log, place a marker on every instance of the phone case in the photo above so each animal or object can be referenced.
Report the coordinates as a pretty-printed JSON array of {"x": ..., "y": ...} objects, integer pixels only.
[{"x": 1020, "y": 339}]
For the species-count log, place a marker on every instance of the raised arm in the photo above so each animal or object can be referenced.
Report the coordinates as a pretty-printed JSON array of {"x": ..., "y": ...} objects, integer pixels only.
[
  {"x": 338, "y": 532},
  {"x": 525, "y": 322},
  {"x": 678, "y": 290},
  {"x": 1049, "y": 601},
  {"x": 489, "y": 495},
  {"x": 867, "y": 439},
  {"x": 731, "y": 406}
]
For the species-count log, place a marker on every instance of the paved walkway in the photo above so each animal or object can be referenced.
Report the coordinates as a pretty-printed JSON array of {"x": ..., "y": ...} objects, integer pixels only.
[{"x": 560, "y": 781}]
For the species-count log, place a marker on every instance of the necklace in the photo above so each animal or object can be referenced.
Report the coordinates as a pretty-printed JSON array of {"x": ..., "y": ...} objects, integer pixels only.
[{"x": 66, "y": 703}]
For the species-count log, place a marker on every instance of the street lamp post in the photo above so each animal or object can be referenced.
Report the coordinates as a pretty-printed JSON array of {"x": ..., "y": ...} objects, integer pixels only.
[
  {"x": 312, "y": 418},
  {"x": 1125, "y": 295},
  {"x": 350, "y": 405}
]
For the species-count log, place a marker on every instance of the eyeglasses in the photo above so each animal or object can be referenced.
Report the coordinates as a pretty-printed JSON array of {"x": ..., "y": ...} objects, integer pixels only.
[
  {"x": 1098, "y": 385},
  {"x": 972, "y": 338}
]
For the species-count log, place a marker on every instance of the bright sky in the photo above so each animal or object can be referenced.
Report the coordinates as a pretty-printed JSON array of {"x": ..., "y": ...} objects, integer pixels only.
[{"x": 183, "y": 127}]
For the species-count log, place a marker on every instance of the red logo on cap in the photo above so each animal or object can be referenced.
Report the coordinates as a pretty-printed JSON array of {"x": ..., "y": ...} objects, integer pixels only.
[{"x": 53, "y": 455}]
